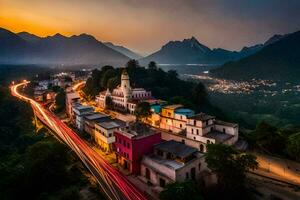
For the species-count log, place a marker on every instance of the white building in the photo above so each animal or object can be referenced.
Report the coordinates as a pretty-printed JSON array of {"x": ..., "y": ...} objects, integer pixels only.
[
  {"x": 207, "y": 129},
  {"x": 79, "y": 112},
  {"x": 71, "y": 98},
  {"x": 172, "y": 162},
  {"x": 124, "y": 97},
  {"x": 104, "y": 133}
]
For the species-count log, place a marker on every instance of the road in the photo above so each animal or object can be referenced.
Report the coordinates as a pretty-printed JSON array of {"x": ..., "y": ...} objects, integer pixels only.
[{"x": 112, "y": 182}]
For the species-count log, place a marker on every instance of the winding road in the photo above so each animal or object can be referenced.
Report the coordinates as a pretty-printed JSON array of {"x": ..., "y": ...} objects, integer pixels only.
[{"x": 112, "y": 182}]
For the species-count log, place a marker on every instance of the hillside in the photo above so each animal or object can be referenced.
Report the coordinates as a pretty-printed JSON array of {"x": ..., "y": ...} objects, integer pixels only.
[
  {"x": 278, "y": 61},
  {"x": 25, "y": 48},
  {"x": 125, "y": 51}
]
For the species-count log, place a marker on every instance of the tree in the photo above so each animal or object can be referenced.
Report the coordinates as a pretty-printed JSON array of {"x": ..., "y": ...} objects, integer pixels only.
[
  {"x": 108, "y": 74},
  {"x": 60, "y": 100},
  {"x": 112, "y": 83},
  {"x": 269, "y": 138},
  {"x": 132, "y": 64},
  {"x": 180, "y": 191},
  {"x": 109, "y": 102},
  {"x": 199, "y": 94},
  {"x": 142, "y": 110},
  {"x": 229, "y": 165},
  {"x": 293, "y": 146},
  {"x": 152, "y": 65}
]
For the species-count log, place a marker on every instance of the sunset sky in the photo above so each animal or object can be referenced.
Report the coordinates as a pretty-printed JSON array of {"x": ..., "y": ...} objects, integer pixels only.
[{"x": 145, "y": 26}]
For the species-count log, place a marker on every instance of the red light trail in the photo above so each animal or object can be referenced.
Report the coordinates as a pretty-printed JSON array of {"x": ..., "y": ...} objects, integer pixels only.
[{"x": 112, "y": 182}]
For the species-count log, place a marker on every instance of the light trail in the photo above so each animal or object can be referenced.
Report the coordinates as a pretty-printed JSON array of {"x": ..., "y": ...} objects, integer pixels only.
[{"x": 112, "y": 182}]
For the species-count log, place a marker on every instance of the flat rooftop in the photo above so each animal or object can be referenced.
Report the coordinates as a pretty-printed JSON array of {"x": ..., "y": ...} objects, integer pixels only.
[
  {"x": 137, "y": 131},
  {"x": 218, "y": 136},
  {"x": 95, "y": 116},
  {"x": 219, "y": 122},
  {"x": 173, "y": 107},
  {"x": 202, "y": 117},
  {"x": 149, "y": 159},
  {"x": 177, "y": 148}
]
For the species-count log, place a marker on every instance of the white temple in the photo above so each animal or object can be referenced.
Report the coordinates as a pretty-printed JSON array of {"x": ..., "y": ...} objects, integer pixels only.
[{"x": 124, "y": 97}]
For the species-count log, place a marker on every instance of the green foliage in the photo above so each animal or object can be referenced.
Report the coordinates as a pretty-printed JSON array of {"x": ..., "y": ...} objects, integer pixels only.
[
  {"x": 142, "y": 110},
  {"x": 180, "y": 191},
  {"x": 109, "y": 102},
  {"x": 60, "y": 101},
  {"x": 293, "y": 146},
  {"x": 152, "y": 66},
  {"x": 269, "y": 138},
  {"x": 229, "y": 165}
]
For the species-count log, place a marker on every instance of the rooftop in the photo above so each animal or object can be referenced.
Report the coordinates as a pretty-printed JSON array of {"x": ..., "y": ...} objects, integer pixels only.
[
  {"x": 72, "y": 95},
  {"x": 176, "y": 148},
  {"x": 202, "y": 117},
  {"x": 185, "y": 111},
  {"x": 218, "y": 136},
  {"x": 173, "y": 164},
  {"x": 109, "y": 124},
  {"x": 137, "y": 131},
  {"x": 95, "y": 115},
  {"x": 226, "y": 123},
  {"x": 174, "y": 106}
]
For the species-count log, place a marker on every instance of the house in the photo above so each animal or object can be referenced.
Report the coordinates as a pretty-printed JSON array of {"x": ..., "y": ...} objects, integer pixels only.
[
  {"x": 170, "y": 162},
  {"x": 90, "y": 121},
  {"x": 174, "y": 117},
  {"x": 71, "y": 97},
  {"x": 104, "y": 133},
  {"x": 131, "y": 143},
  {"x": 124, "y": 97},
  {"x": 80, "y": 111},
  {"x": 209, "y": 130}
]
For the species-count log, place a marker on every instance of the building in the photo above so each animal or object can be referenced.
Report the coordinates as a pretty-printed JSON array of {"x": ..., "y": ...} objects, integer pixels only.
[
  {"x": 44, "y": 95},
  {"x": 104, "y": 133},
  {"x": 171, "y": 162},
  {"x": 71, "y": 98},
  {"x": 90, "y": 121},
  {"x": 174, "y": 117},
  {"x": 131, "y": 143},
  {"x": 80, "y": 111},
  {"x": 124, "y": 97},
  {"x": 208, "y": 129}
]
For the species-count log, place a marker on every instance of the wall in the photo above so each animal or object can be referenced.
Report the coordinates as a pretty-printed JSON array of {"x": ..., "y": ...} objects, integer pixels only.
[{"x": 187, "y": 141}]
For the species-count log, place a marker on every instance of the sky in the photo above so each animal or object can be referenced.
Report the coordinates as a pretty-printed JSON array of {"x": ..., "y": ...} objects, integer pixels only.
[{"x": 144, "y": 25}]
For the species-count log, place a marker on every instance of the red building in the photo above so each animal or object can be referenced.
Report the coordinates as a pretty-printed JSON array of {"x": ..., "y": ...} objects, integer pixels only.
[{"x": 132, "y": 143}]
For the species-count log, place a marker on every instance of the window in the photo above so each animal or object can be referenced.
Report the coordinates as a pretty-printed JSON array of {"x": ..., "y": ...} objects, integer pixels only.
[
  {"x": 194, "y": 138},
  {"x": 197, "y": 131},
  {"x": 124, "y": 143},
  {"x": 207, "y": 141},
  {"x": 201, "y": 147},
  {"x": 194, "y": 122},
  {"x": 180, "y": 125},
  {"x": 169, "y": 155},
  {"x": 109, "y": 135},
  {"x": 224, "y": 130},
  {"x": 128, "y": 145},
  {"x": 183, "y": 141},
  {"x": 192, "y": 131},
  {"x": 186, "y": 176},
  {"x": 199, "y": 166},
  {"x": 211, "y": 129},
  {"x": 160, "y": 153},
  {"x": 162, "y": 182},
  {"x": 120, "y": 141}
]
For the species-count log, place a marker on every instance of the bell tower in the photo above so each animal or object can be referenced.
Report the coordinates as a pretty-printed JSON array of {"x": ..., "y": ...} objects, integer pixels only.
[{"x": 125, "y": 86}]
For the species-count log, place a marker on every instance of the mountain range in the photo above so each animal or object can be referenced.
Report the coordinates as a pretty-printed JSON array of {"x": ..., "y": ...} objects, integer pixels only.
[
  {"x": 191, "y": 51},
  {"x": 123, "y": 50},
  {"x": 279, "y": 60},
  {"x": 26, "y": 48}
]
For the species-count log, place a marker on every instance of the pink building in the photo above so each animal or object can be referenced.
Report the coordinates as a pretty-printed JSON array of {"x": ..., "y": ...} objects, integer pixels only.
[{"x": 132, "y": 143}]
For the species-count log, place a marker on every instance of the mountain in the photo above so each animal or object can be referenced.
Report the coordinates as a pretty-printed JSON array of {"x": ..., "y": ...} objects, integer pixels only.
[
  {"x": 191, "y": 51},
  {"x": 26, "y": 48},
  {"x": 279, "y": 60},
  {"x": 123, "y": 50}
]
